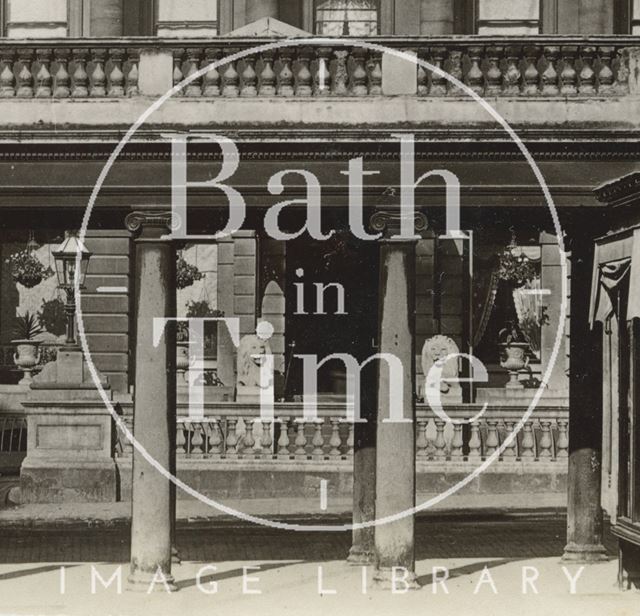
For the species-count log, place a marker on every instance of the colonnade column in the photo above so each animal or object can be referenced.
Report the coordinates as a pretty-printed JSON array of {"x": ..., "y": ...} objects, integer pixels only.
[
  {"x": 395, "y": 440},
  {"x": 154, "y": 402},
  {"x": 584, "y": 513}
]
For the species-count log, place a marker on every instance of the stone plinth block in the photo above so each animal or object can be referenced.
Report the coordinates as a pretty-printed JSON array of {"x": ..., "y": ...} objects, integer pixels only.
[
  {"x": 69, "y": 437},
  {"x": 68, "y": 453}
]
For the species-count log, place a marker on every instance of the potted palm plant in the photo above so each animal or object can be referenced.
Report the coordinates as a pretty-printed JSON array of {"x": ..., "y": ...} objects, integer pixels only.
[{"x": 26, "y": 329}]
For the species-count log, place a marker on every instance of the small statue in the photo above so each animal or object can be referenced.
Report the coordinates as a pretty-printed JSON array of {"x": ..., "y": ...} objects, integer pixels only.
[
  {"x": 435, "y": 351},
  {"x": 252, "y": 354}
]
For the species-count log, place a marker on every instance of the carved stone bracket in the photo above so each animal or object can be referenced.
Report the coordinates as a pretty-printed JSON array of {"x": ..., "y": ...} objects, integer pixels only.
[{"x": 389, "y": 223}]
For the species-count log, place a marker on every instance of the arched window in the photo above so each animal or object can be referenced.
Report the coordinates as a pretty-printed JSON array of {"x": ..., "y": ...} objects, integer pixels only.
[{"x": 347, "y": 17}]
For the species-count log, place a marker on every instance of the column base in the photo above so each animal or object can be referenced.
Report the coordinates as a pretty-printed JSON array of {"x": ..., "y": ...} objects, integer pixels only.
[
  {"x": 175, "y": 556},
  {"x": 383, "y": 578},
  {"x": 584, "y": 553},
  {"x": 141, "y": 581},
  {"x": 360, "y": 556}
]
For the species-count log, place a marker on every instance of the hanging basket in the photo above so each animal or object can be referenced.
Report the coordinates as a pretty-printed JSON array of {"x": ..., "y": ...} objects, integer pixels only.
[
  {"x": 26, "y": 269},
  {"x": 186, "y": 274}
]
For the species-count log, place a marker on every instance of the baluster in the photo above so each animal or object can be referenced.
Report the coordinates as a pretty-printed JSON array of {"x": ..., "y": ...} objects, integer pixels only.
[
  {"x": 98, "y": 76},
  {"x": 550, "y": 75},
  {"x": 211, "y": 79},
  {"x": 230, "y": 79},
  {"x": 587, "y": 77},
  {"x": 457, "y": 442},
  {"x": 322, "y": 85},
  {"x": 178, "y": 75},
  {"x": 285, "y": 78},
  {"x": 455, "y": 70},
  {"x": 440, "y": 444},
  {"x": 318, "y": 440},
  {"x": 248, "y": 440},
  {"x": 492, "y": 442},
  {"x": 340, "y": 79},
  {"x": 423, "y": 77},
  {"x": 350, "y": 440},
  {"x": 267, "y": 75},
  {"x": 215, "y": 439},
  {"x": 301, "y": 441},
  {"x": 438, "y": 82},
  {"x": 562, "y": 444},
  {"x": 568, "y": 76},
  {"x": 43, "y": 77},
  {"x": 25, "y": 78},
  {"x": 249, "y": 78},
  {"x": 283, "y": 440},
  {"x": 133, "y": 76},
  {"x": 605, "y": 74},
  {"x": 375, "y": 73},
  {"x": 232, "y": 438},
  {"x": 7, "y": 78},
  {"x": 531, "y": 74},
  {"x": 475, "y": 78},
  {"x": 511, "y": 77},
  {"x": 510, "y": 451},
  {"x": 181, "y": 442},
  {"x": 528, "y": 442},
  {"x": 62, "y": 79},
  {"x": 304, "y": 82},
  {"x": 197, "y": 441},
  {"x": 475, "y": 442},
  {"x": 116, "y": 76},
  {"x": 545, "y": 443},
  {"x": 494, "y": 74},
  {"x": 335, "y": 441},
  {"x": 80, "y": 77},
  {"x": 266, "y": 440},
  {"x": 421, "y": 441},
  {"x": 623, "y": 73},
  {"x": 359, "y": 73},
  {"x": 194, "y": 88}
]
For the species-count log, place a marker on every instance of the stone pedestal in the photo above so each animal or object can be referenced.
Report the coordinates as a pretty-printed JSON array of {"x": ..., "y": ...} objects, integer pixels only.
[
  {"x": 153, "y": 495},
  {"x": 69, "y": 437}
]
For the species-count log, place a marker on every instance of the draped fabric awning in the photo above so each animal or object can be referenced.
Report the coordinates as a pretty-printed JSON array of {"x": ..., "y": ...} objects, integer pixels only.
[{"x": 615, "y": 262}]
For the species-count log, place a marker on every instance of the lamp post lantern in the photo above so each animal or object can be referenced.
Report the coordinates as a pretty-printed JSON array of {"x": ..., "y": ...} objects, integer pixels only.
[{"x": 66, "y": 256}]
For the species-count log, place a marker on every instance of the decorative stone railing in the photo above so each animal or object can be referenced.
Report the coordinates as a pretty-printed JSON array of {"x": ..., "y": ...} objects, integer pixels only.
[
  {"x": 491, "y": 66},
  {"x": 235, "y": 432}
]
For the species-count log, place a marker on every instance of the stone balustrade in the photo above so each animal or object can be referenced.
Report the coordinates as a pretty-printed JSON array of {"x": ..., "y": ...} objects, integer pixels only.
[
  {"x": 235, "y": 433},
  {"x": 490, "y": 66}
]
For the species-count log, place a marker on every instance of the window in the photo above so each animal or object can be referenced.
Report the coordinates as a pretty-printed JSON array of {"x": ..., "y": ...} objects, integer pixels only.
[
  {"x": 635, "y": 17},
  {"x": 35, "y": 18},
  {"x": 509, "y": 16},
  {"x": 347, "y": 17},
  {"x": 186, "y": 18}
]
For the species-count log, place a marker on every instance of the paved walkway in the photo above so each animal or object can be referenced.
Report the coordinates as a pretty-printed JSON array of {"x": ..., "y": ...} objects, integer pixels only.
[{"x": 483, "y": 551}]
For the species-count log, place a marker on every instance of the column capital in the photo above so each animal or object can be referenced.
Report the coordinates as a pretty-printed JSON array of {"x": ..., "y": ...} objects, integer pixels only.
[
  {"x": 389, "y": 223},
  {"x": 150, "y": 224}
]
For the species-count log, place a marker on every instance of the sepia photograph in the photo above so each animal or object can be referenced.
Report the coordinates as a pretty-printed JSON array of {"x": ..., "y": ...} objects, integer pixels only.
[{"x": 319, "y": 307}]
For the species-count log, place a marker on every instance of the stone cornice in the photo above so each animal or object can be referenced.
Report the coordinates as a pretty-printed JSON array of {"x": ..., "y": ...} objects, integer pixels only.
[
  {"x": 309, "y": 147},
  {"x": 620, "y": 191}
]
